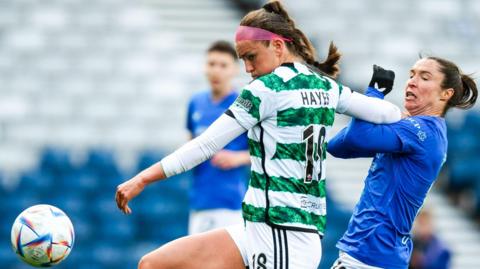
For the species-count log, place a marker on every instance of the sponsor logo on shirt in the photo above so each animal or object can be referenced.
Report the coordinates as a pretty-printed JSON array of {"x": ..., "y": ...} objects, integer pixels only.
[
  {"x": 243, "y": 103},
  {"x": 312, "y": 205}
]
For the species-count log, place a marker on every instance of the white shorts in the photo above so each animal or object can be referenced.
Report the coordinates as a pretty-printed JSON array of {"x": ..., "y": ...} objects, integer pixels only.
[
  {"x": 346, "y": 261},
  {"x": 206, "y": 220},
  {"x": 262, "y": 247}
]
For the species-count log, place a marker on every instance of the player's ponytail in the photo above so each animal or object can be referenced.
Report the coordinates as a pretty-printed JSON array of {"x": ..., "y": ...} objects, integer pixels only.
[
  {"x": 470, "y": 92},
  {"x": 465, "y": 90},
  {"x": 274, "y": 17}
]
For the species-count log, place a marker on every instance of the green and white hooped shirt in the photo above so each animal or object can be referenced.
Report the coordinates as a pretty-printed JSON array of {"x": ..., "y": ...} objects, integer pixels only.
[{"x": 288, "y": 114}]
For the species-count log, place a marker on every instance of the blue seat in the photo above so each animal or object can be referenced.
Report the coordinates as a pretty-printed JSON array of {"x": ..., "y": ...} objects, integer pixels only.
[
  {"x": 472, "y": 120},
  {"x": 56, "y": 161},
  {"x": 107, "y": 254},
  {"x": 462, "y": 143},
  {"x": 148, "y": 158},
  {"x": 37, "y": 180},
  {"x": 78, "y": 256},
  {"x": 80, "y": 181},
  {"x": 8, "y": 257},
  {"x": 85, "y": 227},
  {"x": 463, "y": 173},
  {"x": 102, "y": 164},
  {"x": 17, "y": 201},
  {"x": 110, "y": 222},
  {"x": 70, "y": 202},
  {"x": 102, "y": 161}
]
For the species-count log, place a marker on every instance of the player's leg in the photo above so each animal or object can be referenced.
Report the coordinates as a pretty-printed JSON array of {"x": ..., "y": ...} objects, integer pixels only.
[{"x": 211, "y": 250}]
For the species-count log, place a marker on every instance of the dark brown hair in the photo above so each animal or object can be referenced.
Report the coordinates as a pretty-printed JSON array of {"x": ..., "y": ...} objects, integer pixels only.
[
  {"x": 274, "y": 18},
  {"x": 465, "y": 90},
  {"x": 223, "y": 46}
]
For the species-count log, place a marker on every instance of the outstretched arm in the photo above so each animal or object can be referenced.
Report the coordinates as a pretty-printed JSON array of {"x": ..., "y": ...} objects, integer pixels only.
[
  {"x": 363, "y": 139},
  {"x": 370, "y": 109},
  {"x": 220, "y": 133}
]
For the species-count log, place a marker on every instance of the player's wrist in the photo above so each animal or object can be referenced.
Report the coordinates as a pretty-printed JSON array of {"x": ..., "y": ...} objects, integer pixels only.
[
  {"x": 374, "y": 92},
  {"x": 142, "y": 181}
]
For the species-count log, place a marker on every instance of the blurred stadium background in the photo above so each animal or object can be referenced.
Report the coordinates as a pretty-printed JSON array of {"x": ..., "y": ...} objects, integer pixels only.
[{"x": 92, "y": 91}]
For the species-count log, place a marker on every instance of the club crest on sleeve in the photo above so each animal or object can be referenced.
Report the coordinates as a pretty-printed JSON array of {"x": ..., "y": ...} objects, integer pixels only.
[{"x": 422, "y": 135}]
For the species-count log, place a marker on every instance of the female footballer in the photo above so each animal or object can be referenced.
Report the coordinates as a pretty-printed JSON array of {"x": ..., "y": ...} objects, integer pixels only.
[
  {"x": 287, "y": 110},
  {"x": 408, "y": 156}
]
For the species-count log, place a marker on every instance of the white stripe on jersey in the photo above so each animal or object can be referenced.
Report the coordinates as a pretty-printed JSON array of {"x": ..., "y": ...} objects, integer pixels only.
[{"x": 305, "y": 202}]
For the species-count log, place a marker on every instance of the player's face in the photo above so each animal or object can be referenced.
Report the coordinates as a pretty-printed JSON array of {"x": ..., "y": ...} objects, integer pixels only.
[
  {"x": 258, "y": 58},
  {"x": 220, "y": 69},
  {"x": 423, "y": 91}
]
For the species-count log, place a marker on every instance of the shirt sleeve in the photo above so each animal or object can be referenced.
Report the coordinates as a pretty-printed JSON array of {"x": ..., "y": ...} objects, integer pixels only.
[
  {"x": 254, "y": 104},
  {"x": 367, "y": 108},
  {"x": 221, "y": 132},
  {"x": 339, "y": 149},
  {"x": 362, "y": 139}
]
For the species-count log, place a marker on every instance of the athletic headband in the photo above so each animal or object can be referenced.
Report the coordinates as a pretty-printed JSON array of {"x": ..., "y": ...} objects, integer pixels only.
[{"x": 256, "y": 34}]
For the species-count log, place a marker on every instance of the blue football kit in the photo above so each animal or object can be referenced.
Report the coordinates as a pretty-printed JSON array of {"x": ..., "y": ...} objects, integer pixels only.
[
  {"x": 408, "y": 156},
  {"x": 213, "y": 187}
]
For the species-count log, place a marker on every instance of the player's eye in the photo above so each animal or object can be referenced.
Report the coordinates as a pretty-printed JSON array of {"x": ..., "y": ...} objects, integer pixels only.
[{"x": 250, "y": 57}]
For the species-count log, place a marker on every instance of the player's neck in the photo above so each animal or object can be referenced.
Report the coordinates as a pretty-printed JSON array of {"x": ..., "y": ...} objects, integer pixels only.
[{"x": 427, "y": 111}]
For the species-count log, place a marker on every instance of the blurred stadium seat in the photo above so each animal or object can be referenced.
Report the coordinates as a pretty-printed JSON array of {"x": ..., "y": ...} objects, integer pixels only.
[
  {"x": 464, "y": 159},
  {"x": 109, "y": 75}
]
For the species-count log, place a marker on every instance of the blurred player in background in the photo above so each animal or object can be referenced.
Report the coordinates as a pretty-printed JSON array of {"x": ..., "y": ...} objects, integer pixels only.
[
  {"x": 287, "y": 110},
  {"x": 407, "y": 155},
  {"x": 218, "y": 185},
  {"x": 428, "y": 251}
]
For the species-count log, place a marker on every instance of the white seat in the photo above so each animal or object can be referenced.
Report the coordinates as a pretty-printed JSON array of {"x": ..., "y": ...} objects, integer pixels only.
[
  {"x": 25, "y": 39},
  {"x": 49, "y": 18},
  {"x": 14, "y": 108}
]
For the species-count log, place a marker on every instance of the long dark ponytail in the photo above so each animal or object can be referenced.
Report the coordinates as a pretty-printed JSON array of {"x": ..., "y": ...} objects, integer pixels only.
[
  {"x": 274, "y": 18},
  {"x": 464, "y": 86}
]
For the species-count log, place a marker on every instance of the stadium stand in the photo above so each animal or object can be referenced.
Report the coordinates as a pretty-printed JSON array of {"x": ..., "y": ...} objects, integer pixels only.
[{"x": 93, "y": 91}]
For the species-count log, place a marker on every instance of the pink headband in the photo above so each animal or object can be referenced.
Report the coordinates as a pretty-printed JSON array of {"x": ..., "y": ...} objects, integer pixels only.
[{"x": 257, "y": 34}]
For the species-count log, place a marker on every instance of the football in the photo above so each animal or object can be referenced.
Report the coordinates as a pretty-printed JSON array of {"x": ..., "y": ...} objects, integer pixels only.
[{"x": 42, "y": 236}]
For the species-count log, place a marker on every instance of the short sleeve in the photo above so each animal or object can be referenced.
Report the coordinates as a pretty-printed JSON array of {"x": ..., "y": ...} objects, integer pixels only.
[
  {"x": 344, "y": 94},
  {"x": 254, "y": 104}
]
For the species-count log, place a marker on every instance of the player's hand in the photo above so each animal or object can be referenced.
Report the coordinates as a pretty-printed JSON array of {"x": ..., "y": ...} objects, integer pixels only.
[
  {"x": 126, "y": 192},
  {"x": 382, "y": 79},
  {"x": 226, "y": 159}
]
